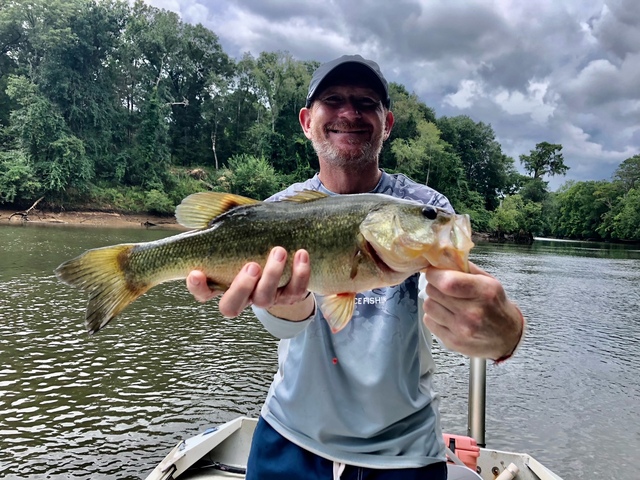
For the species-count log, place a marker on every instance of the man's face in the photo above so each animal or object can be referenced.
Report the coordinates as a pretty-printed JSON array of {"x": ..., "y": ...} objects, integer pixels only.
[{"x": 347, "y": 125}]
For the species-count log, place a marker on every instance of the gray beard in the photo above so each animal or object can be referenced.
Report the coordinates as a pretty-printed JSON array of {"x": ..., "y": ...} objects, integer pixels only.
[{"x": 366, "y": 155}]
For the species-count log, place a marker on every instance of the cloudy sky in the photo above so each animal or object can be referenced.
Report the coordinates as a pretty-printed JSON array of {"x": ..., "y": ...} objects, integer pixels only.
[{"x": 561, "y": 71}]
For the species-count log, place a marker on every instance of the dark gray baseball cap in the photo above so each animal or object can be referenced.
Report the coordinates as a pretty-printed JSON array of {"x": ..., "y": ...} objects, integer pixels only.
[{"x": 350, "y": 69}]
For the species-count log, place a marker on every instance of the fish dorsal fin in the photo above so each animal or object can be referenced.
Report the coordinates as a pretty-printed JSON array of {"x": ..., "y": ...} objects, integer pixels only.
[
  {"x": 197, "y": 210},
  {"x": 338, "y": 309},
  {"x": 305, "y": 196}
]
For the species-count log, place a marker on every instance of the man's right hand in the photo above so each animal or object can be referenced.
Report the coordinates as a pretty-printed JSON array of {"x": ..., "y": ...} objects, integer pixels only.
[{"x": 252, "y": 285}]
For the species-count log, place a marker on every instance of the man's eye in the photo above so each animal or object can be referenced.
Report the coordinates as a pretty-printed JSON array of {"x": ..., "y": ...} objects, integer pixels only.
[
  {"x": 368, "y": 103},
  {"x": 333, "y": 100}
]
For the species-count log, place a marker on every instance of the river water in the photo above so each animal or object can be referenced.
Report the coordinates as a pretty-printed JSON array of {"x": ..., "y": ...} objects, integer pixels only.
[{"x": 112, "y": 405}]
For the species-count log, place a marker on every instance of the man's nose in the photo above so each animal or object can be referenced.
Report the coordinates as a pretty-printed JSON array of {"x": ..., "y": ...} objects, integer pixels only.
[{"x": 350, "y": 109}]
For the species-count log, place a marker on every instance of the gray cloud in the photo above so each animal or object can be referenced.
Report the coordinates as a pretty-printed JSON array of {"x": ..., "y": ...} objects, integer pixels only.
[{"x": 563, "y": 72}]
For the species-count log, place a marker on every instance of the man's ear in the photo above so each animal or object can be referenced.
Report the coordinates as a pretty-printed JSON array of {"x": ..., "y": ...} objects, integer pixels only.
[
  {"x": 305, "y": 121},
  {"x": 388, "y": 124}
]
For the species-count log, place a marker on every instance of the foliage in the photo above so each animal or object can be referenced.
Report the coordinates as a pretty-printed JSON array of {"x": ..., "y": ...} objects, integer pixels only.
[
  {"x": 486, "y": 169},
  {"x": 626, "y": 221},
  {"x": 517, "y": 216},
  {"x": 408, "y": 112},
  {"x": 426, "y": 158},
  {"x": 546, "y": 159},
  {"x": 156, "y": 201},
  {"x": 473, "y": 205},
  {"x": 628, "y": 173},
  {"x": 252, "y": 177},
  {"x": 533, "y": 189},
  {"x": 121, "y": 105},
  {"x": 17, "y": 179},
  {"x": 598, "y": 210},
  {"x": 56, "y": 156},
  {"x": 579, "y": 215},
  {"x": 506, "y": 219}
]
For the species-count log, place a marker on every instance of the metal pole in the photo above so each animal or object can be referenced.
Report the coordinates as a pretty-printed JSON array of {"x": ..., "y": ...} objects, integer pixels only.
[{"x": 477, "y": 400}]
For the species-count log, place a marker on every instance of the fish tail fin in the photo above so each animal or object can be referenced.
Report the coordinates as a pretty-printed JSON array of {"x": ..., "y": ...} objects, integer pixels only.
[{"x": 102, "y": 272}]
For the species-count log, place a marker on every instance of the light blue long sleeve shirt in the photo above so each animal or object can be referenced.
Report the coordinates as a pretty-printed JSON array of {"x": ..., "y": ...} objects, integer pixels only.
[{"x": 363, "y": 396}]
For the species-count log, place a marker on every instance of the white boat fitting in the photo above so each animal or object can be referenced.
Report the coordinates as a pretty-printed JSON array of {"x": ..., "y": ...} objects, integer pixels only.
[{"x": 221, "y": 453}]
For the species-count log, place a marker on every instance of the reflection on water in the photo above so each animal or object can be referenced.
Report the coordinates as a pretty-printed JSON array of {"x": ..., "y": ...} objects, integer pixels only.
[{"x": 111, "y": 405}]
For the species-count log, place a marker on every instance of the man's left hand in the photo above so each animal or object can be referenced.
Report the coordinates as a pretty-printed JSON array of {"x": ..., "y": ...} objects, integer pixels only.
[{"x": 471, "y": 314}]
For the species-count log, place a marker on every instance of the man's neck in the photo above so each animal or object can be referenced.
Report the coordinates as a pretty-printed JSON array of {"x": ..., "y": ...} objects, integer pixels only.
[{"x": 349, "y": 181}]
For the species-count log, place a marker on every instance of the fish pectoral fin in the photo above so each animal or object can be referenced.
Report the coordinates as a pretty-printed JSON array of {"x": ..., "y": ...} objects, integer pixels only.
[
  {"x": 199, "y": 209},
  {"x": 354, "y": 265},
  {"x": 359, "y": 256},
  {"x": 338, "y": 309}
]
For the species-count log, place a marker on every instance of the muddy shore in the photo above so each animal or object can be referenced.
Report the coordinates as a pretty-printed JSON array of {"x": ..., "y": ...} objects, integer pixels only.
[{"x": 98, "y": 219}]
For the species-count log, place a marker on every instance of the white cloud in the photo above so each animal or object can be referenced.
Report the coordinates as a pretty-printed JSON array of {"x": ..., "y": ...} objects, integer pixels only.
[
  {"x": 464, "y": 98},
  {"x": 531, "y": 103}
]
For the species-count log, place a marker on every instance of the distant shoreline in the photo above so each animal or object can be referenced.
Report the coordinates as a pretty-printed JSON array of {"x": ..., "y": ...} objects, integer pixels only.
[{"x": 88, "y": 218}]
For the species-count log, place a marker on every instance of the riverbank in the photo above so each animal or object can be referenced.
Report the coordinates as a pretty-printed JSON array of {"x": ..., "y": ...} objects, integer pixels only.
[{"x": 87, "y": 218}]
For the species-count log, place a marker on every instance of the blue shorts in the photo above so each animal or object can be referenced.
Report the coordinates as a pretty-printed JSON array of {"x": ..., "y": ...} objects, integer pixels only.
[{"x": 273, "y": 457}]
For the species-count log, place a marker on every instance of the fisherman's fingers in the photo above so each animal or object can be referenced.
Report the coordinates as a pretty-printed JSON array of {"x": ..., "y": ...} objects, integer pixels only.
[
  {"x": 475, "y": 327},
  {"x": 239, "y": 294},
  {"x": 453, "y": 333},
  {"x": 266, "y": 291},
  {"x": 477, "y": 284},
  {"x": 198, "y": 287},
  {"x": 296, "y": 289},
  {"x": 438, "y": 320}
]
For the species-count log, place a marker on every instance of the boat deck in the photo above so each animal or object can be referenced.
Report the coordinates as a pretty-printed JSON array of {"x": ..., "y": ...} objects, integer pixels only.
[{"x": 222, "y": 452}]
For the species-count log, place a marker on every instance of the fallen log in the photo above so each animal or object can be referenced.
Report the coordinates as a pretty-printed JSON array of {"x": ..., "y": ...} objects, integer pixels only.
[{"x": 25, "y": 213}]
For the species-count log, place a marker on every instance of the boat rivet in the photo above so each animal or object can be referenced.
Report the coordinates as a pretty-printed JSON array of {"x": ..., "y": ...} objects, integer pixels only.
[{"x": 495, "y": 470}]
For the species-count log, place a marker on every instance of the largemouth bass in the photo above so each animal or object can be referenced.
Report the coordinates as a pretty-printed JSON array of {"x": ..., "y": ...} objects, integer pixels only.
[{"x": 355, "y": 243}]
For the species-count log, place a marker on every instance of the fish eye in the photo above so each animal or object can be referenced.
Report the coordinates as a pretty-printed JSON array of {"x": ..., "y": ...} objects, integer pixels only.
[{"x": 430, "y": 212}]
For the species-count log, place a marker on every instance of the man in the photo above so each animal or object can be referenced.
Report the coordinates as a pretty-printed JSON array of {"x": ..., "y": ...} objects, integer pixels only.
[{"x": 360, "y": 403}]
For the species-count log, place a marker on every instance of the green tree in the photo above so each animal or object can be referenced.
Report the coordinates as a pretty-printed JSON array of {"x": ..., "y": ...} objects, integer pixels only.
[
  {"x": 580, "y": 209},
  {"x": 546, "y": 159},
  {"x": 506, "y": 219},
  {"x": 17, "y": 178},
  {"x": 626, "y": 222},
  {"x": 150, "y": 156},
  {"x": 281, "y": 86},
  {"x": 56, "y": 156},
  {"x": 408, "y": 112},
  {"x": 217, "y": 115},
  {"x": 533, "y": 189},
  {"x": 252, "y": 177},
  {"x": 198, "y": 60},
  {"x": 628, "y": 173},
  {"x": 277, "y": 77},
  {"x": 487, "y": 170},
  {"x": 426, "y": 159},
  {"x": 11, "y": 37},
  {"x": 517, "y": 217}
]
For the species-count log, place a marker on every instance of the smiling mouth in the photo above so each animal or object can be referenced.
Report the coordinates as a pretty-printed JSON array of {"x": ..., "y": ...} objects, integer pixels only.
[
  {"x": 347, "y": 128},
  {"x": 356, "y": 132}
]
